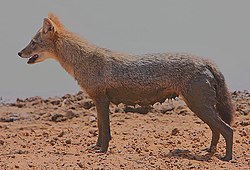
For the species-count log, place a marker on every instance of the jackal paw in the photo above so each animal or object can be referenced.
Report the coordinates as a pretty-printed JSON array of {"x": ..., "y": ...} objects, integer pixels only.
[
  {"x": 95, "y": 147},
  {"x": 211, "y": 150},
  {"x": 226, "y": 158},
  {"x": 100, "y": 151}
]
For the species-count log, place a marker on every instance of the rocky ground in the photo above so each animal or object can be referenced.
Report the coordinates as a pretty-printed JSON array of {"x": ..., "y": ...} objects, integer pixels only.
[{"x": 56, "y": 133}]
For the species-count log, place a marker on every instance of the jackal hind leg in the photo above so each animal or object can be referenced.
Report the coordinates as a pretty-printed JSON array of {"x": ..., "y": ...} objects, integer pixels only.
[
  {"x": 218, "y": 126},
  {"x": 210, "y": 117},
  {"x": 214, "y": 141},
  {"x": 201, "y": 99},
  {"x": 102, "y": 106},
  {"x": 227, "y": 133}
]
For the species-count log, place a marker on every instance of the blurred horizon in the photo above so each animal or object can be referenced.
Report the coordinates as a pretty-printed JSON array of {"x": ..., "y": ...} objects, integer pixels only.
[{"x": 218, "y": 30}]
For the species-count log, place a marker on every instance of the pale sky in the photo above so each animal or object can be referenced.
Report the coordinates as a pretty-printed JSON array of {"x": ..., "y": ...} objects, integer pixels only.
[{"x": 219, "y": 30}]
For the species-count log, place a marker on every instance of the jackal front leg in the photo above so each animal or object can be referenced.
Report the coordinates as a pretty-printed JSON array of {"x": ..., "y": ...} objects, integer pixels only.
[{"x": 102, "y": 106}]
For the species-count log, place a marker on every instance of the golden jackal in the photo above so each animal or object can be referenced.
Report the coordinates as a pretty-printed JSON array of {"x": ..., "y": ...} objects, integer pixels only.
[{"x": 109, "y": 76}]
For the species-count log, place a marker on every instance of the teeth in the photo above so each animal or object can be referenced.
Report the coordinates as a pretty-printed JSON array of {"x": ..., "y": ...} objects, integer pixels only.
[{"x": 32, "y": 59}]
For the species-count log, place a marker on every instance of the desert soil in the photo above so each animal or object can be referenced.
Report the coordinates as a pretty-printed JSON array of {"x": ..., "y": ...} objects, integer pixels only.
[{"x": 57, "y": 133}]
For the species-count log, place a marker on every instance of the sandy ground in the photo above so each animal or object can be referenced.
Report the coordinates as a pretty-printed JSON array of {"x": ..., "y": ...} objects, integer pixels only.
[{"x": 56, "y": 133}]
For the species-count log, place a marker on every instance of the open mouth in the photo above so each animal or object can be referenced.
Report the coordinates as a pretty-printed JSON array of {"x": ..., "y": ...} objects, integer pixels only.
[{"x": 32, "y": 59}]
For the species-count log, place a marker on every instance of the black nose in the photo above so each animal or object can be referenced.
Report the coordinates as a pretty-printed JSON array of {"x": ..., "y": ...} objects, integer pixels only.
[{"x": 20, "y": 54}]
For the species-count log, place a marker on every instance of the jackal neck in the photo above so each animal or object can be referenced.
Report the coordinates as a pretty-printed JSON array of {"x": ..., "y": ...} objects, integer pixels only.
[{"x": 72, "y": 50}]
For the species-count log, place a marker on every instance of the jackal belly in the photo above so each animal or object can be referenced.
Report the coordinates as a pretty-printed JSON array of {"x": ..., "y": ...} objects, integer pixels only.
[{"x": 143, "y": 97}]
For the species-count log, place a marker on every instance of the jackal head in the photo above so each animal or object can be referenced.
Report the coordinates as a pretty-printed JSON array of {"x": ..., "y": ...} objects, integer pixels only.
[{"x": 42, "y": 45}]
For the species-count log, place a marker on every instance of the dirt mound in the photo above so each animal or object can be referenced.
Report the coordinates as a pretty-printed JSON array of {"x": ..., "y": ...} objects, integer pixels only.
[{"x": 56, "y": 133}]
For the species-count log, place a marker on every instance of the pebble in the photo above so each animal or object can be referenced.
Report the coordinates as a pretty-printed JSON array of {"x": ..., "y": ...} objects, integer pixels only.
[
  {"x": 245, "y": 123},
  {"x": 11, "y": 117},
  {"x": 57, "y": 118},
  {"x": 141, "y": 110},
  {"x": 174, "y": 131},
  {"x": 1, "y": 142},
  {"x": 92, "y": 118},
  {"x": 88, "y": 104},
  {"x": 55, "y": 102},
  {"x": 68, "y": 141},
  {"x": 70, "y": 114},
  {"x": 93, "y": 132},
  {"x": 61, "y": 134},
  {"x": 166, "y": 109},
  {"x": 80, "y": 164}
]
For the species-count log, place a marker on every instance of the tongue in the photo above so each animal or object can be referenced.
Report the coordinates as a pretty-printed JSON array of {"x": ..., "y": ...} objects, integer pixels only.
[{"x": 32, "y": 59}]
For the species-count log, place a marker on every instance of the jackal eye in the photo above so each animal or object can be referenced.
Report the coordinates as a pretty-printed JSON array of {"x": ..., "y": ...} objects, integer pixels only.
[
  {"x": 32, "y": 43},
  {"x": 37, "y": 41}
]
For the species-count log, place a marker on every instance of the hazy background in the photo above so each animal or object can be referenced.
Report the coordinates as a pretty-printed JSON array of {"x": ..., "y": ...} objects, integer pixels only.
[{"x": 219, "y": 30}]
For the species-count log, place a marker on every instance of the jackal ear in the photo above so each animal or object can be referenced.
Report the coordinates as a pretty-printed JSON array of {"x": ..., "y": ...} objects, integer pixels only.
[{"x": 48, "y": 26}]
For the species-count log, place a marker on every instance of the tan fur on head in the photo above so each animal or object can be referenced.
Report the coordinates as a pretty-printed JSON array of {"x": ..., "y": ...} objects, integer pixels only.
[{"x": 56, "y": 21}]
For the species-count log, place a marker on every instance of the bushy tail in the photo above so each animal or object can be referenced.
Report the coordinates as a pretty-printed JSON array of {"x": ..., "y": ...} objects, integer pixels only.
[{"x": 224, "y": 104}]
